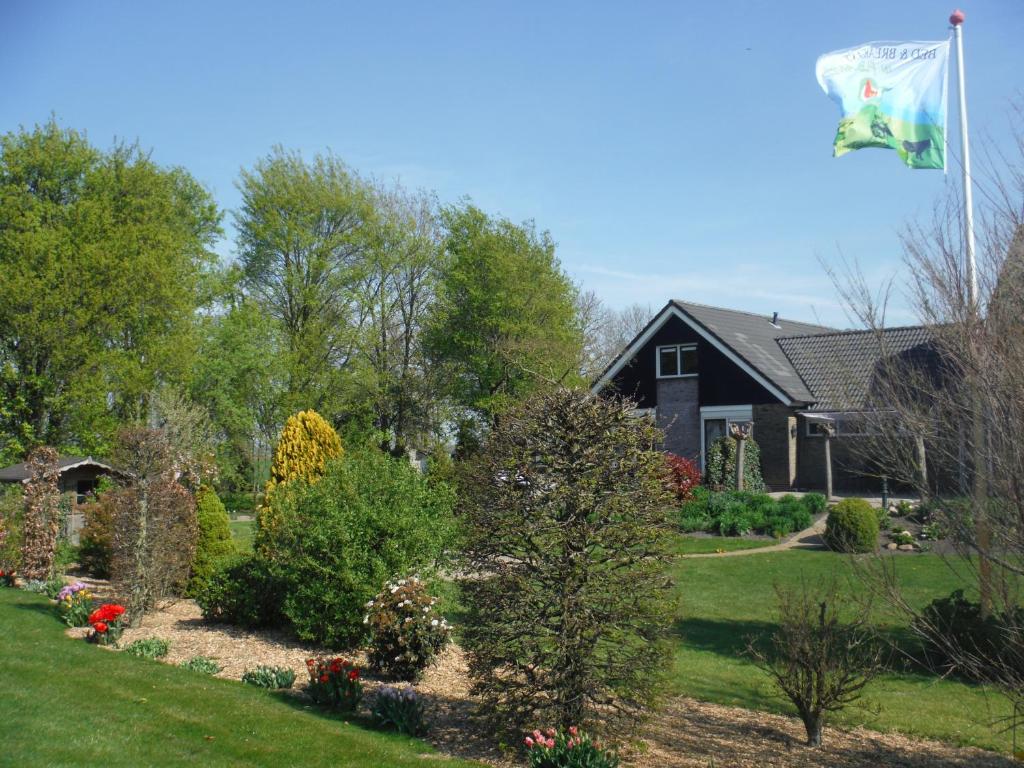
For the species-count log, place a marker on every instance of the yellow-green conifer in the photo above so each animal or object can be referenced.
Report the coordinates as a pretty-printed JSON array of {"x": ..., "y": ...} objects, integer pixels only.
[{"x": 306, "y": 444}]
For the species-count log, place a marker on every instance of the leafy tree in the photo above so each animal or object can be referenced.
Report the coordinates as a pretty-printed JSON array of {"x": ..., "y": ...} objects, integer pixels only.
[
  {"x": 103, "y": 260},
  {"x": 505, "y": 322},
  {"x": 302, "y": 239},
  {"x": 564, "y": 511}
]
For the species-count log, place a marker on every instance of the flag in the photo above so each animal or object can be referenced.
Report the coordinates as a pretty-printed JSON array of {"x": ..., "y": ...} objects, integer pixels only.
[{"x": 891, "y": 95}]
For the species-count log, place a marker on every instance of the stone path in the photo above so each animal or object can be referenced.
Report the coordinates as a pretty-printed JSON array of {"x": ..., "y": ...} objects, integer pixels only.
[{"x": 808, "y": 538}]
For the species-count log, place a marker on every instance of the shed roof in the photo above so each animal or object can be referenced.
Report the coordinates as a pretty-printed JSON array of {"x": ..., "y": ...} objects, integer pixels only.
[{"x": 19, "y": 473}]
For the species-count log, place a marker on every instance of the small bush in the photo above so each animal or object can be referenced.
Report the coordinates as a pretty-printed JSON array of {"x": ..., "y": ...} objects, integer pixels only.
[
  {"x": 406, "y": 632},
  {"x": 52, "y": 587},
  {"x": 263, "y": 676},
  {"x": 241, "y": 590},
  {"x": 852, "y": 526},
  {"x": 902, "y": 537},
  {"x": 201, "y": 664},
  {"x": 734, "y": 513},
  {"x": 400, "y": 709},
  {"x": 903, "y": 508},
  {"x": 148, "y": 648},
  {"x": 214, "y": 542},
  {"x": 74, "y": 604},
  {"x": 720, "y": 465},
  {"x": 566, "y": 749},
  {"x": 12, "y": 516},
  {"x": 683, "y": 476},
  {"x": 236, "y": 502},
  {"x": 959, "y": 639},
  {"x": 97, "y": 535},
  {"x": 815, "y": 503},
  {"x": 334, "y": 683}
]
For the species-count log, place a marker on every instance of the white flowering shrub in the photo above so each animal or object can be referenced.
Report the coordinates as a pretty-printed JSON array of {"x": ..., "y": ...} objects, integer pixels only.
[{"x": 406, "y": 630}]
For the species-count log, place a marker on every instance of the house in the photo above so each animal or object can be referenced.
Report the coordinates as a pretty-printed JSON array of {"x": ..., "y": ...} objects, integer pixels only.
[{"x": 697, "y": 369}]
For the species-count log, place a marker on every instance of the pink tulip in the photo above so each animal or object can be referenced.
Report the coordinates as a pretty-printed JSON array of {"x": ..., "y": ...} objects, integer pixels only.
[
  {"x": 528, "y": 742},
  {"x": 573, "y": 730},
  {"x": 551, "y": 743}
]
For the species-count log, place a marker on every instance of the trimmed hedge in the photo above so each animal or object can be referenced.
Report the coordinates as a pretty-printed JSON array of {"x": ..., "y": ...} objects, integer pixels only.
[
  {"x": 852, "y": 526},
  {"x": 734, "y": 513}
]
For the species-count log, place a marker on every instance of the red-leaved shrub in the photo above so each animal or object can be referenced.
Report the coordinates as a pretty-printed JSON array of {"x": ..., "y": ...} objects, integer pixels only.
[{"x": 683, "y": 476}]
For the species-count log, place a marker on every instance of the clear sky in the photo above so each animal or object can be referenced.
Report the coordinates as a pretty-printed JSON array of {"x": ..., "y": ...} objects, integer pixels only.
[{"x": 674, "y": 150}]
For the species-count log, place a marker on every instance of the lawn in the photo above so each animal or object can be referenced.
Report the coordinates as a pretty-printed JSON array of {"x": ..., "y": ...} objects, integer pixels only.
[
  {"x": 702, "y": 545},
  {"x": 65, "y": 702},
  {"x": 242, "y": 533},
  {"x": 723, "y": 601}
]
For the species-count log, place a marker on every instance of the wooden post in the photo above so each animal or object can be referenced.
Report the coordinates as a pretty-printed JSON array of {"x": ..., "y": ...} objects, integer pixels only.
[
  {"x": 740, "y": 432},
  {"x": 922, "y": 465}
]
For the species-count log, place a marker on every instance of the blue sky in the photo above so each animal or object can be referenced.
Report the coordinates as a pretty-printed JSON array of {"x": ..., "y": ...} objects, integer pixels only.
[{"x": 672, "y": 149}]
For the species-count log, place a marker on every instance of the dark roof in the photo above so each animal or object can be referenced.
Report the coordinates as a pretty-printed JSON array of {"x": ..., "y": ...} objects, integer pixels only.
[
  {"x": 753, "y": 337},
  {"x": 19, "y": 472},
  {"x": 839, "y": 368}
]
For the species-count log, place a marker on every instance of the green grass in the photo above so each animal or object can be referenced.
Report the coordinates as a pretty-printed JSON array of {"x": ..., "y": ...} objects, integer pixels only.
[
  {"x": 701, "y": 545},
  {"x": 65, "y": 702},
  {"x": 242, "y": 532},
  {"x": 724, "y": 601}
]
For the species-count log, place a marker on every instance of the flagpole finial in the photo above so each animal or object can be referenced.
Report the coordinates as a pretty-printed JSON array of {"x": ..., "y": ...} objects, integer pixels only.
[{"x": 956, "y": 18}]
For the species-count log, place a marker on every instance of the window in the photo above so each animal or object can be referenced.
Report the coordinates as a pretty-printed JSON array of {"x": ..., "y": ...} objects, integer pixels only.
[{"x": 677, "y": 360}]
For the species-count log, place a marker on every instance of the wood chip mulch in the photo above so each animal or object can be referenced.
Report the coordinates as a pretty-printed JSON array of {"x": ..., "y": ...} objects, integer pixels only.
[{"x": 685, "y": 733}]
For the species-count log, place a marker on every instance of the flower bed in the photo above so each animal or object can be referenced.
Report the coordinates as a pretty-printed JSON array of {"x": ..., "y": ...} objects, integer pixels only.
[{"x": 735, "y": 513}]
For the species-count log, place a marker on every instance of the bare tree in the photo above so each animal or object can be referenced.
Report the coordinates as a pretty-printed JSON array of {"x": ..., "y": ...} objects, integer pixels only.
[
  {"x": 949, "y": 422},
  {"x": 819, "y": 662},
  {"x": 606, "y": 331}
]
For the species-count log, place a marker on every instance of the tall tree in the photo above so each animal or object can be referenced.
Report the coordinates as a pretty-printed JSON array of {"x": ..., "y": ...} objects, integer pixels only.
[
  {"x": 302, "y": 239},
  {"x": 397, "y": 381},
  {"x": 504, "y": 322},
  {"x": 103, "y": 261}
]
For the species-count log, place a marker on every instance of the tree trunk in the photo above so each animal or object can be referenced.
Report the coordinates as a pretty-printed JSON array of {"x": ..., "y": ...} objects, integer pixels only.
[{"x": 812, "y": 724}]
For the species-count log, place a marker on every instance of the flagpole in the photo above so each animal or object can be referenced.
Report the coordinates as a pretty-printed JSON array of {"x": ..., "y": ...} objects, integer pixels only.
[
  {"x": 957, "y": 20},
  {"x": 983, "y": 533}
]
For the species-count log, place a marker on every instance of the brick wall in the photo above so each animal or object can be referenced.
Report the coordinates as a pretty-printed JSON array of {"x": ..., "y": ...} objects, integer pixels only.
[
  {"x": 775, "y": 433},
  {"x": 679, "y": 416}
]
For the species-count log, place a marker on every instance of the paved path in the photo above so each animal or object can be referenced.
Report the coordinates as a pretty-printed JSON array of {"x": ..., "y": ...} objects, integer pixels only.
[{"x": 809, "y": 538}]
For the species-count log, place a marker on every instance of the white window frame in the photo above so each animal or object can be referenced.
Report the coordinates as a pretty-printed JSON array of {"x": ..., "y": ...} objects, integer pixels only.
[{"x": 679, "y": 348}]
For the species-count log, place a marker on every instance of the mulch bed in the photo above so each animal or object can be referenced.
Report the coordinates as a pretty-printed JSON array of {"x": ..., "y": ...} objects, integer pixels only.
[{"x": 685, "y": 733}]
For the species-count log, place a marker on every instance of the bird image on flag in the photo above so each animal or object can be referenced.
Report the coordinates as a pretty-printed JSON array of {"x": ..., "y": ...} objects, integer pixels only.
[{"x": 892, "y": 95}]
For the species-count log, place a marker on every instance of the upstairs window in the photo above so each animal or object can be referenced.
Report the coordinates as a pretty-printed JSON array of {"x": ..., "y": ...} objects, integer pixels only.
[{"x": 677, "y": 360}]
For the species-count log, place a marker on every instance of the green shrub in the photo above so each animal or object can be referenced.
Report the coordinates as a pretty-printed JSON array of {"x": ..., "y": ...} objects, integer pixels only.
[
  {"x": 959, "y": 639},
  {"x": 241, "y": 590},
  {"x": 214, "y": 542},
  {"x": 814, "y": 502},
  {"x": 734, "y": 513},
  {"x": 406, "y": 631},
  {"x": 852, "y": 526},
  {"x": 239, "y": 502},
  {"x": 201, "y": 664},
  {"x": 148, "y": 648},
  {"x": 97, "y": 535},
  {"x": 720, "y": 465},
  {"x": 263, "y": 676},
  {"x": 399, "y": 709},
  {"x": 371, "y": 516}
]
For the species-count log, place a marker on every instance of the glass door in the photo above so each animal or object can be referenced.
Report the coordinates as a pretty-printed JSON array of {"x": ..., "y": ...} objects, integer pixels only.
[{"x": 713, "y": 429}]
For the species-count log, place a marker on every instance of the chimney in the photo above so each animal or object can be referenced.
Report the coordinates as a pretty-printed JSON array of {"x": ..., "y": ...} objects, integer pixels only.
[{"x": 775, "y": 318}]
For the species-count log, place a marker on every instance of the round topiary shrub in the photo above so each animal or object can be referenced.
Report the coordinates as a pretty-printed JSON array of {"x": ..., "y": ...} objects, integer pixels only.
[
  {"x": 852, "y": 526},
  {"x": 406, "y": 630},
  {"x": 214, "y": 542}
]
